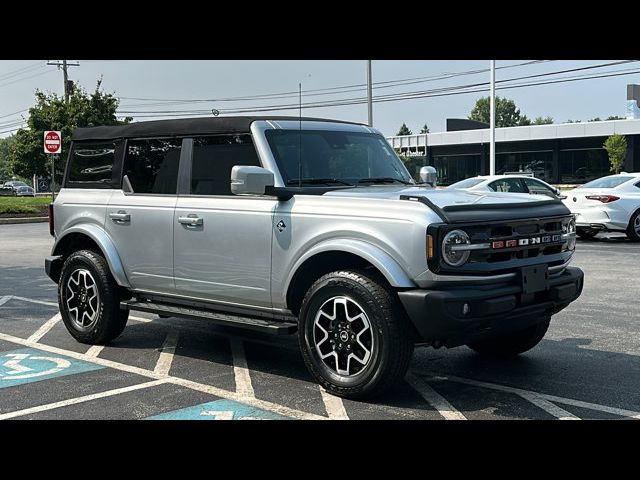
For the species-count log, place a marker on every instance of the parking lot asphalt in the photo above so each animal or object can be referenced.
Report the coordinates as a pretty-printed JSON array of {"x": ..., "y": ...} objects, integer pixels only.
[{"x": 587, "y": 367}]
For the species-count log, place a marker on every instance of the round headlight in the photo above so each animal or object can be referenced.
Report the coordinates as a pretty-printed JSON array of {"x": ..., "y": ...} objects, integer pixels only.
[{"x": 450, "y": 253}]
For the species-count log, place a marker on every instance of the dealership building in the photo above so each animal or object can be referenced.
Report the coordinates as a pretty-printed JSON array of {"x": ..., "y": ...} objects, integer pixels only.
[{"x": 566, "y": 153}]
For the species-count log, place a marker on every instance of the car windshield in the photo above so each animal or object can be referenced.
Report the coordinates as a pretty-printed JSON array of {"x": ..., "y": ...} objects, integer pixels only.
[
  {"x": 335, "y": 158},
  {"x": 467, "y": 183},
  {"x": 607, "y": 182},
  {"x": 19, "y": 184}
]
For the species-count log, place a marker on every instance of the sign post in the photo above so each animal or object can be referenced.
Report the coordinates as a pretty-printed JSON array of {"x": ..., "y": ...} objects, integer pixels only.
[{"x": 52, "y": 146}]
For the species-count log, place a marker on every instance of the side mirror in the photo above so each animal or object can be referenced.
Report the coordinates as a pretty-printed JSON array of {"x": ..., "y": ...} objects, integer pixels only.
[
  {"x": 429, "y": 175},
  {"x": 250, "y": 180}
]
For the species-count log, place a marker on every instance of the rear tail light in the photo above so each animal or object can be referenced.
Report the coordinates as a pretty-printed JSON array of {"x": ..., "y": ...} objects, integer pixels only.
[
  {"x": 603, "y": 198},
  {"x": 51, "y": 229}
]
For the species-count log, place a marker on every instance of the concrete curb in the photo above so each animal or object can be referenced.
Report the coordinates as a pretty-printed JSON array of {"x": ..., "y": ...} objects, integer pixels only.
[{"x": 8, "y": 221}]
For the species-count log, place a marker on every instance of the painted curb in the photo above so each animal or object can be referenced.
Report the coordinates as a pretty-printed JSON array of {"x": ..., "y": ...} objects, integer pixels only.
[{"x": 8, "y": 221}]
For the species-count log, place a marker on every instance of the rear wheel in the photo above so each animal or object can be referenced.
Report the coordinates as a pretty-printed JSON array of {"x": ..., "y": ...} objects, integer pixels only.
[
  {"x": 354, "y": 336},
  {"x": 586, "y": 233},
  {"x": 633, "y": 230},
  {"x": 89, "y": 299},
  {"x": 512, "y": 344}
]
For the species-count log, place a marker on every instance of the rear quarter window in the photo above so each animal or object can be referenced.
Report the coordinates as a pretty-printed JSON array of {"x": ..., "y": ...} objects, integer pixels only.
[{"x": 91, "y": 165}]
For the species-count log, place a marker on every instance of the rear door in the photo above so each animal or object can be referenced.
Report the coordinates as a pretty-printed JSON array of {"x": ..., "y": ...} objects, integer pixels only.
[
  {"x": 222, "y": 242},
  {"x": 140, "y": 222}
]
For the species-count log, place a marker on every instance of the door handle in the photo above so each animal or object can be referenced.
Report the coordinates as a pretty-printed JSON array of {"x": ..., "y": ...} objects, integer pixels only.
[
  {"x": 191, "y": 220},
  {"x": 120, "y": 217}
]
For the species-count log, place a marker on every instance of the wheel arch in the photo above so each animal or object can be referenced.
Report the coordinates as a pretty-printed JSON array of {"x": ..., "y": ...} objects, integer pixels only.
[
  {"x": 340, "y": 255},
  {"x": 93, "y": 238}
]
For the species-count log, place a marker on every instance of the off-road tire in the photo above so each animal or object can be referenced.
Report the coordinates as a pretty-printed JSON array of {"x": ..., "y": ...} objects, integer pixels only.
[
  {"x": 392, "y": 342},
  {"x": 111, "y": 320}
]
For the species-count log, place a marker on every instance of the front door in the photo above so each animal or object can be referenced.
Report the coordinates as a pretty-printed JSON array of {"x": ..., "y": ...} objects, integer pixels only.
[
  {"x": 141, "y": 222},
  {"x": 222, "y": 242}
]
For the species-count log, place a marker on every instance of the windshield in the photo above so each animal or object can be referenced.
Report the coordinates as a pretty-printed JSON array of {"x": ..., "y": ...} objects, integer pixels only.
[
  {"x": 340, "y": 158},
  {"x": 467, "y": 183},
  {"x": 607, "y": 182}
]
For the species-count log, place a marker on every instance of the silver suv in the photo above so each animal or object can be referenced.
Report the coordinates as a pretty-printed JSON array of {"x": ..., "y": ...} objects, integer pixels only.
[{"x": 313, "y": 226}]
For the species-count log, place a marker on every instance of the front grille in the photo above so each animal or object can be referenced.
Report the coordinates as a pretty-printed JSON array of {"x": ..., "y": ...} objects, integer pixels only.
[{"x": 493, "y": 261}]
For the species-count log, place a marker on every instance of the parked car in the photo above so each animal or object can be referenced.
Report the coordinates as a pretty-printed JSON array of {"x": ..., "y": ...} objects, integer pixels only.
[
  {"x": 607, "y": 204},
  {"x": 508, "y": 184},
  {"x": 25, "y": 191},
  {"x": 286, "y": 225},
  {"x": 15, "y": 184}
]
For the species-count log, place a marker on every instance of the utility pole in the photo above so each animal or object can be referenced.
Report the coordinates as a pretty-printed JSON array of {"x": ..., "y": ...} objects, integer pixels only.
[
  {"x": 67, "y": 83},
  {"x": 369, "y": 93},
  {"x": 492, "y": 121}
]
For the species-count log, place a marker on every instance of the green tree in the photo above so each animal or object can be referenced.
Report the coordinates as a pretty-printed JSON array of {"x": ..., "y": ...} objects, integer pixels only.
[
  {"x": 5, "y": 145},
  {"x": 404, "y": 130},
  {"x": 26, "y": 156},
  {"x": 543, "y": 121},
  {"x": 425, "y": 129},
  {"x": 616, "y": 147},
  {"x": 507, "y": 113},
  {"x": 573, "y": 121},
  {"x": 596, "y": 119},
  {"x": 615, "y": 117}
]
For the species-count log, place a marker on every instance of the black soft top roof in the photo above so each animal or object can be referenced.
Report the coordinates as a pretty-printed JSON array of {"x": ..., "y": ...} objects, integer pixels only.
[{"x": 180, "y": 127}]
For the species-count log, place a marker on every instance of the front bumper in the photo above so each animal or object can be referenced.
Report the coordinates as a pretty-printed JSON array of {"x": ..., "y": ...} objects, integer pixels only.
[{"x": 439, "y": 318}]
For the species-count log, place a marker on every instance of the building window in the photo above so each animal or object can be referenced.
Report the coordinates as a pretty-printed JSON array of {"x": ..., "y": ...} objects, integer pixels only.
[
  {"x": 453, "y": 168},
  {"x": 538, "y": 163},
  {"x": 580, "y": 166}
]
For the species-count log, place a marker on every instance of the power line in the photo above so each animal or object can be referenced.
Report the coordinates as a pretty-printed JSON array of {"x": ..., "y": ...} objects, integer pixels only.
[
  {"x": 331, "y": 90},
  {"x": 24, "y": 78},
  {"x": 14, "y": 113},
  {"x": 460, "y": 90},
  {"x": 21, "y": 70}
]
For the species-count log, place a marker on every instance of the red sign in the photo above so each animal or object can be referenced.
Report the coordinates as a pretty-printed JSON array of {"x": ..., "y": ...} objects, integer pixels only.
[{"x": 52, "y": 142}]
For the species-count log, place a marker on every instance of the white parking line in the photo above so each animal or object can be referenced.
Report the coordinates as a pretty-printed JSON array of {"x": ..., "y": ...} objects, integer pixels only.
[
  {"x": 94, "y": 351},
  {"x": 219, "y": 392},
  {"x": 547, "y": 406},
  {"x": 5, "y": 299},
  {"x": 333, "y": 405},
  {"x": 433, "y": 398},
  {"x": 42, "y": 331},
  {"x": 240, "y": 369},
  {"x": 31, "y": 300},
  {"x": 552, "y": 398},
  {"x": 166, "y": 355},
  {"x": 86, "y": 398}
]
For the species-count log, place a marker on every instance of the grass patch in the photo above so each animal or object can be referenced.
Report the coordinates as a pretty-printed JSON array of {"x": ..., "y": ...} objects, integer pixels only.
[{"x": 24, "y": 204}]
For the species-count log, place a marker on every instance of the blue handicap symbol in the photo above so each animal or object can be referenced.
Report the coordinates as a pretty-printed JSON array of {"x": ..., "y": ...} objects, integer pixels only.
[
  {"x": 32, "y": 365},
  {"x": 219, "y": 410}
]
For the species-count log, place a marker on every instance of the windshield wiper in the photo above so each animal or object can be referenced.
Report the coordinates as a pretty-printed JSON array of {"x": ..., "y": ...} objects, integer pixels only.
[
  {"x": 384, "y": 180},
  {"x": 317, "y": 181}
]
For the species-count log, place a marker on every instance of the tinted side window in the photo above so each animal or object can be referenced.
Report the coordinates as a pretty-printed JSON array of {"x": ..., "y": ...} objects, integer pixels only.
[
  {"x": 538, "y": 188},
  {"x": 213, "y": 159},
  {"x": 91, "y": 163},
  {"x": 152, "y": 165},
  {"x": 511, "y": 185}
]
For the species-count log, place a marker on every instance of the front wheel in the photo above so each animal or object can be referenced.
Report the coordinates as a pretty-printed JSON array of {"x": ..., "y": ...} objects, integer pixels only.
[
  {"x": 512, "y": 344},
  {"x": 89, "y": 299},
  {"x": 354, "y": 336}
]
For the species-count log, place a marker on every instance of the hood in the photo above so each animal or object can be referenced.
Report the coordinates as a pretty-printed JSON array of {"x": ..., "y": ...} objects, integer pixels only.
[{"x": 440, "y": 197}]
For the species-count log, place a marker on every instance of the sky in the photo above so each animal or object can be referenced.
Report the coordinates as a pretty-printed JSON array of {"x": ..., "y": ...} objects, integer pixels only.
[{"x": 152, "y": 86}]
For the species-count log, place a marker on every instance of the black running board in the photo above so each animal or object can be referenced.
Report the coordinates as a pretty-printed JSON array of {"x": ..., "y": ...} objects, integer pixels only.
[{"x": 171, "y": 310}]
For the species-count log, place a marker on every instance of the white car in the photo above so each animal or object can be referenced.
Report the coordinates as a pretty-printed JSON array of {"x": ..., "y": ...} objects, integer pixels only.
[
  {"x": 609, "y": 204},
  {"x": 508, "y": 183}
]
